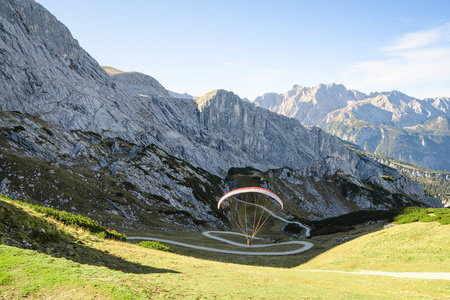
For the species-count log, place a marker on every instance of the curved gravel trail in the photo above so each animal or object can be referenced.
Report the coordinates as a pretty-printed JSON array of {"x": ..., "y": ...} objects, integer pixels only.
[{"x": 306, "y": 245}]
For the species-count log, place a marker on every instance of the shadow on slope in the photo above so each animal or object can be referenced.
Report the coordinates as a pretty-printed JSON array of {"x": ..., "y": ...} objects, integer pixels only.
[
  {"x": 20, "y": 229},
  {"x": 322, "y": 244},
  {"x": 331, "y": 233}
]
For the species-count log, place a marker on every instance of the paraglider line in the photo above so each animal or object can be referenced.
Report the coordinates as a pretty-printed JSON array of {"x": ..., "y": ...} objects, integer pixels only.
[
  {"x": 246, "y": 219},
  {"x": 262, "y": 225},
  {"x": 256, "y": 229},
  {"x": 254, "y": 219},
  {"x": 239, "y": 219},
  {"x": 265, "y": 220}
]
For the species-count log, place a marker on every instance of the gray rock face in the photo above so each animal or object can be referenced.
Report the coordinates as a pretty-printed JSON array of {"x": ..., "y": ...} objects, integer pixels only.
[
  {"x": 392, "y": 109},
  {"x": 324, "y": 104},
  {"x": 137, "y": 84},
  {"x": 317, "y": 196}
]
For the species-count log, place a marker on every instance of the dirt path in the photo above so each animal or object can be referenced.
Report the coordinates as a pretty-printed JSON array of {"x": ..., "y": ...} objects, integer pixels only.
[
  {"x": 420, "y": 275},
  {"x": 306, "y": 245}
]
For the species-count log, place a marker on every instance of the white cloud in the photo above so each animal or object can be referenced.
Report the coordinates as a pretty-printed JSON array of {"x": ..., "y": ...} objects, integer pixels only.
[
  {"x": 419, "y": 39},
  {"x": 417, "y": 58}
]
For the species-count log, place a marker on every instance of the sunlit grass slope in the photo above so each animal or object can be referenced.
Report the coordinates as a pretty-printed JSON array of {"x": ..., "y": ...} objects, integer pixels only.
[
  {"x": 83, "y": 266},
  {"x": 415, "y": 247}
]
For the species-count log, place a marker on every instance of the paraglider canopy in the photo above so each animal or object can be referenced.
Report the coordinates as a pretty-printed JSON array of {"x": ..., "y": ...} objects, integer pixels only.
[
  {"x": 250, "y": 190},
  {"x": 250, "y": 208}
]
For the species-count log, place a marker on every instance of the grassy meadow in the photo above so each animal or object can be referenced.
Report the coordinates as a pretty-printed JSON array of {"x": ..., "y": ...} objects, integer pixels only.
[{"x": 76, "y": 264}]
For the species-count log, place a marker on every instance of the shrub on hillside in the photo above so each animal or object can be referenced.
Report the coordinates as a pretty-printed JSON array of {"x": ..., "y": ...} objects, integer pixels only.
[
  {"x": 77, "y": 221},
  {"x": 420, "y": 214},
  {"x": 388, "y": 178},
  {"x": 155, "y": 245}
]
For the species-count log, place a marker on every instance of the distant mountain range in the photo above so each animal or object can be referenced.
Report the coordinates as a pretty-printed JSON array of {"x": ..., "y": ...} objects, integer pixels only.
[
  {"x": 389, "y": 123},
  {"x": 181, "y": 96}
]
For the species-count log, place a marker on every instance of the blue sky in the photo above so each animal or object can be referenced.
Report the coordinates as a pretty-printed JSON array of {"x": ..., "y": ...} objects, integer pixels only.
[{"x": 254, "y": 47}]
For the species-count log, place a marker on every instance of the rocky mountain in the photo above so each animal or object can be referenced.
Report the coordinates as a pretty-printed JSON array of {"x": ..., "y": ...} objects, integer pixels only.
[
  {"x": 388, "y": 123},
  {"x": 434, "y": 182},
  {"x": 181, "y": 96},
  {"x": 137, "y": 84},
  {"x": 393, "y": 109},
  {"x": 117, "y": 145},
  {"x": 309, "y": 105}
]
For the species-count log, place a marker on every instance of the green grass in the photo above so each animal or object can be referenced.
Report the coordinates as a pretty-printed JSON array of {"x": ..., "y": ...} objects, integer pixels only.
[
  {"x": 420, "y": 214},
  {"x": 388, "y": 178},
  {"x": 414, "y": 247},
  {"x": 73, "y": 220},
  {"x": 80, "y": 265},
  {"x": 155, "y": 245},
  {"x": 41, "y": 276}
]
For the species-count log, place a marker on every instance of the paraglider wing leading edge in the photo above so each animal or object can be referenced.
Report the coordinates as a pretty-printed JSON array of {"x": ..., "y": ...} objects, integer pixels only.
[{"x": 250, "y": 190}]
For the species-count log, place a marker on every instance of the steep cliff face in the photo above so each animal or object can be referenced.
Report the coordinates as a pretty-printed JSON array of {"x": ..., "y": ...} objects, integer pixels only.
[{"x": 46, "y": 73}]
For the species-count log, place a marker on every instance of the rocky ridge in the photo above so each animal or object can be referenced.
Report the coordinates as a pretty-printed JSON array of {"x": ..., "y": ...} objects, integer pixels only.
[
  {"x": 310, "y": 105},
  {"x": 137, "y": 84},
  {"x": 181, "y": 96}
]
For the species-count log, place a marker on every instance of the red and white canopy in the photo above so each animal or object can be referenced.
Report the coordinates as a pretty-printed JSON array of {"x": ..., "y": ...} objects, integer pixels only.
[{"x": 251, "y": 190}]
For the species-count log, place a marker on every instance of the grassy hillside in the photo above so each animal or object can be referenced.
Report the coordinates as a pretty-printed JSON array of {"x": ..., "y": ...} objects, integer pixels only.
[
  {"x": 67, "y": 262},
  {"x": 413, "y": 247}
]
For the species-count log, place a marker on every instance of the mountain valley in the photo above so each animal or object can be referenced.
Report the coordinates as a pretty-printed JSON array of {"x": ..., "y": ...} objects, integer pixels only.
[{"x": 140, "y": 152}]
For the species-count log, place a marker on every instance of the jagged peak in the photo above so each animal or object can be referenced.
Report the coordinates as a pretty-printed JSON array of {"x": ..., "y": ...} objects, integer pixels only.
[
  {"x": 215, "y": 95},
  {"x": 320, "y": 88},
  {"x": 392, "y": 97},
  {"x": 331, "y": 85},
  {"x": 113, "y": 71},
  {"x": 145, "y": 84}
]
